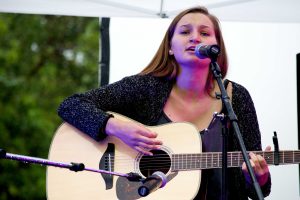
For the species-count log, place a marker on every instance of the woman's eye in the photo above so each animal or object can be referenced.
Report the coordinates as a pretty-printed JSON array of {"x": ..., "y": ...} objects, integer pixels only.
[
  {"x": 184, "y": 32},
  {"x": 204, "y": 33}
]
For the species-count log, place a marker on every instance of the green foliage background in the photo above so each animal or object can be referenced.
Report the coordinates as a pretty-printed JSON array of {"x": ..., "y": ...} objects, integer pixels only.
[{"x": 43, "y": 59}]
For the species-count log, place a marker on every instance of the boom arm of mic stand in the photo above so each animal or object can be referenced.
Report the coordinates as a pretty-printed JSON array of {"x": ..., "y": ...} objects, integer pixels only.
[
  {"x": 233, "y": 120},
  {"x": 71, "y": 166}
]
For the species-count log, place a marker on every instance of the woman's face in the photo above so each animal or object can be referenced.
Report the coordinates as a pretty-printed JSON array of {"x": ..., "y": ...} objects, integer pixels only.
[{"x": 191, "y": 30}]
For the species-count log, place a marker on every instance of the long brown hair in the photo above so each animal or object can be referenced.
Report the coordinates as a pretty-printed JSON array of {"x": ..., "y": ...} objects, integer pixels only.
[{"x": 164, "y": 65}]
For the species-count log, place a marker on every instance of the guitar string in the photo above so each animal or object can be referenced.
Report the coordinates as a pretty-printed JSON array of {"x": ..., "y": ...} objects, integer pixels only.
[
  {"x": 209, "y": 155},
  {"x": 202, "y": 162}
]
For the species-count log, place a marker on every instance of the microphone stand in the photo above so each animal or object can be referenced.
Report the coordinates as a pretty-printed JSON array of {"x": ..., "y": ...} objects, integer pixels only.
[
  {"x": 233, "y": 120},
  {"x": 71, "y": 166}
]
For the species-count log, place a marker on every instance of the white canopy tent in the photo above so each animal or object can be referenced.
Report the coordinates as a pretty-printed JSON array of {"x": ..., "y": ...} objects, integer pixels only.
[
  {"x": 261, "y": 54},
  {"x": 229, "y": 10}
]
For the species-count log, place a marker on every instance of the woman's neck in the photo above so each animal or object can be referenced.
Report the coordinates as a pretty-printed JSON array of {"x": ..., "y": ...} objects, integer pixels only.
[{"x": 192, "y": 82}]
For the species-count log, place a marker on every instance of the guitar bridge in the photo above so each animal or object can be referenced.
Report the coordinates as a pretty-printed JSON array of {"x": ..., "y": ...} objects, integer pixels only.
[{"x": 106, "y": 163}]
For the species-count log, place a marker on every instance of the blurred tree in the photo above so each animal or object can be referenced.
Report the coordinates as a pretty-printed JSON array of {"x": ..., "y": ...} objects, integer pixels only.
[{"x": 43, "y": 59}]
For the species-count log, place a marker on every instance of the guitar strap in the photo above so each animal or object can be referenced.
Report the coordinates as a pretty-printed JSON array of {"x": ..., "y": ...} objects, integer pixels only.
[{"x": 226, "y": 81}]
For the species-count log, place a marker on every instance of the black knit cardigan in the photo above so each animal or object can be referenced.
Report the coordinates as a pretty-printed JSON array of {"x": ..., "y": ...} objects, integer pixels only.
[{"x": 142, "y": 98}]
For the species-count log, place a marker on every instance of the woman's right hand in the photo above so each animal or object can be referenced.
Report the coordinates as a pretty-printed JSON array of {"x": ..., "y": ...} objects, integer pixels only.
[{"x": 134, "y": 135}]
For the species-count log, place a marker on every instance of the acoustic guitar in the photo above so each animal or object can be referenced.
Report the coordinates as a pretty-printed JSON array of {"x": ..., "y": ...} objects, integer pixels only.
[{"x": 180, "y": 158}]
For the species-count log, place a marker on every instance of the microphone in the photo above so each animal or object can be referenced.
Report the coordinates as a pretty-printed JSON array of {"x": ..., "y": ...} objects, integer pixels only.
[
  {"x": 152, "y": 183},
  {"x": 207, "y": 51}
]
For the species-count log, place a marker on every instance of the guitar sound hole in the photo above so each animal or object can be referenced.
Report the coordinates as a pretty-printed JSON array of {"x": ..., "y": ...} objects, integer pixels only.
[{"x": 160, "y": 161}]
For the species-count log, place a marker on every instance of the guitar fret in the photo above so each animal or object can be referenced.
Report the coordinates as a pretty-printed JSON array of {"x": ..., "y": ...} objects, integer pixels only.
[
  {"x": 204, "y": 161},
  {"x": 208, "y": 156},
  {"x": 288, "y": 158},
  {"x": 197, "y": 163},
  {"x": 235, "y": 159},
  {"x": 282, "y": 157},
  {"x": 180, "y": 161},
  {"x": 219, "y": 160},
  {"x": 265, "y": 155},
  {"x": 230, "y": 159},
  {"x": 194, "y": 158},
  {"x": 214, "y": 159},
  {"x": 241, "y": 159},
  {"x": 297, "y": 157},
  {"x": 187, "y": 161},
  {"x": 269, "y": 157},
  {"x": 184, "y": 161},
  {"x": 192, "y": 161},
  {"x": 173, "y": 162},
  {"x": 187, "y": 164},
  {"x": 209, "y": 160},
  {"x": 293, "y": 157}
]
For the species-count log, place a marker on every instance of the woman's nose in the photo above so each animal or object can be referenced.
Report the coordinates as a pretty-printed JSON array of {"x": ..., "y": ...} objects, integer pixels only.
[{"x": 195, "y": 38}]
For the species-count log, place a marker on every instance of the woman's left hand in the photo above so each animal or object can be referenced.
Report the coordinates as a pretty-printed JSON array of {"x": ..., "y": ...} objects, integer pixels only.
[{"x": 259, "y": 166}]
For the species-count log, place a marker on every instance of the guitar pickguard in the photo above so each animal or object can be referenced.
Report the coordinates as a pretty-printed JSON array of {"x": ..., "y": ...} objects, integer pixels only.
[{"x": 106, "y": 163}]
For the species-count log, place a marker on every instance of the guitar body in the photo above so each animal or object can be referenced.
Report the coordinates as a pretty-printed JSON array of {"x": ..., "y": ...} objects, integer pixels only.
[{"x": 71, "y": 145}]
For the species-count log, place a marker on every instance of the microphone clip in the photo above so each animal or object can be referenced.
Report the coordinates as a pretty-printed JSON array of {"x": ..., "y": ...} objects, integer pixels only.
[{"x": 150, "y": 184}]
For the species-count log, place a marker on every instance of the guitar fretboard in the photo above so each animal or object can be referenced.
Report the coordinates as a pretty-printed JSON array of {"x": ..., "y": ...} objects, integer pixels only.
[{"x": 234, "y": 159}]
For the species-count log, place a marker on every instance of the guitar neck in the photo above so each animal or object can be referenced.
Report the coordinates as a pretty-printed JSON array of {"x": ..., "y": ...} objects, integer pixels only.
[{"x": 181, "y": 162}]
